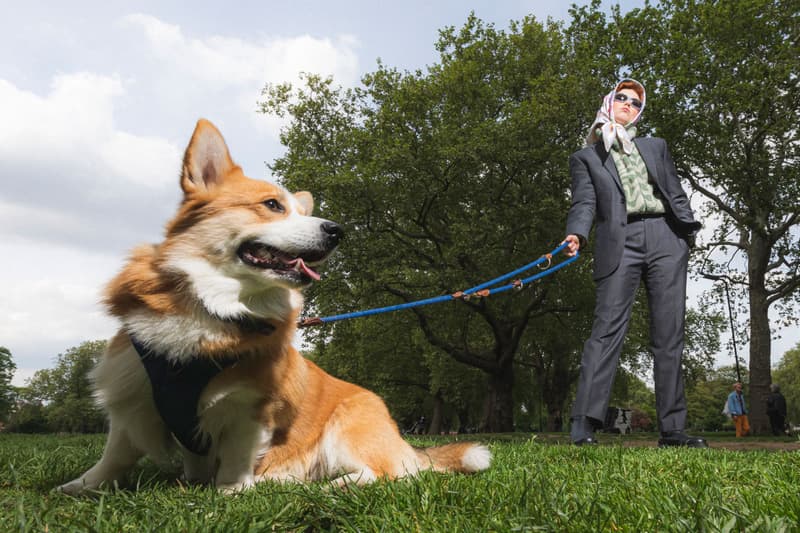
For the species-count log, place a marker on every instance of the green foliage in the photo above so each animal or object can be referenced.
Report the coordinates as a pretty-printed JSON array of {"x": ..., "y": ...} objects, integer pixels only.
[
  {"x": 62, "y": 396},
  {"x": 787, "y": 375},
  {"x": 28, "y": 417},
  {"x": 443, "y": 179},
  {"x": 448, "y": 176},
  {"x": 7, "y": 368},
  {"x": 531, "y": 486},
  {"x": 706, "y": 396}
]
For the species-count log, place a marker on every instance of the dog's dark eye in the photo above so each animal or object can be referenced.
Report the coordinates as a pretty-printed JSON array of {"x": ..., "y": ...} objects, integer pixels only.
[{"x": 274, "y": 205}]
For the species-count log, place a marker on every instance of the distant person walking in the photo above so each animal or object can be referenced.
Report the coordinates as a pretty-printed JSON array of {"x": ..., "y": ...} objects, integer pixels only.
[
  {"x": 738, "y": 410},
  {"x": 776, "y": 409}
]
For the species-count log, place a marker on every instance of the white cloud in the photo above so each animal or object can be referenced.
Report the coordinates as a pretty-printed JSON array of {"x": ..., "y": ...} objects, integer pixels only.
[
  {"x": 142, "y": 160},
  {"x": 52, "y": 297},
  {"x": 22, "y": 375},
  {"x": 223, "y": 76},
  {"x": 219, "y": 61},
  {"x": 68, "y": 169},
  {"x": 50, "y": 302},
  {"x": 71, "y": 131},
  {"x": 76, "y": 112}
]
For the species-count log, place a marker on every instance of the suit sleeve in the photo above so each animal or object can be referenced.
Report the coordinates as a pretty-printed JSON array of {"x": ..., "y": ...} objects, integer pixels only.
[
  {"x": 679, "y": 201},
  {"x": 581, "y": 212}
]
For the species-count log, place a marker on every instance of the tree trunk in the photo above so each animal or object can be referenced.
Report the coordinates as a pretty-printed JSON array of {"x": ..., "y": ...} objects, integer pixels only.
[
  {"x": 760, "y": 335},
  {"x": 555, "y": 420},
  {"x": 498, "y": 407},
  {"x": 555, "y": 386},
  {"x": 438, "y": 411}
]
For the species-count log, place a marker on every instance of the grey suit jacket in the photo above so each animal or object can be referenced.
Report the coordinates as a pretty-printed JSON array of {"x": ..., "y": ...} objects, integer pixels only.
[{"x": 597, "y": 194}]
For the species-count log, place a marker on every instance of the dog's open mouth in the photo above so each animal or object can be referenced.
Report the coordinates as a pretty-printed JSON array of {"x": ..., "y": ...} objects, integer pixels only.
[{"x": 259, "y": 255}]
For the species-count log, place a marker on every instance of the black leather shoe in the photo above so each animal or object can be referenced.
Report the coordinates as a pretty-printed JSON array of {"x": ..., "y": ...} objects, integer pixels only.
[
  {"x": 582, "y": 430},
  {"x": 679, "y": 438}
]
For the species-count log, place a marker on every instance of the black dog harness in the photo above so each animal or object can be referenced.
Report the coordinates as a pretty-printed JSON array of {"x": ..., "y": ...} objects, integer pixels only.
[{"x": 177, "y": 387}]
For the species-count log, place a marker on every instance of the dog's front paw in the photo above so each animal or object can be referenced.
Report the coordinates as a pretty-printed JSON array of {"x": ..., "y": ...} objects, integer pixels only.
[
  {"x": 236, "y": 486},
  {"x": 74, "y": 488}
]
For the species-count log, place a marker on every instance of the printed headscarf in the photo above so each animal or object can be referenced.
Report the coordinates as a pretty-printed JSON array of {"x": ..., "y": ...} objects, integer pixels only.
[{"x": 610, "y": 130}]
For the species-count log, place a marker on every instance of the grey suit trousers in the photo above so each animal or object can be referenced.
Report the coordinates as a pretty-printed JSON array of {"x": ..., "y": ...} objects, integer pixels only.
[{"x": 656, "y": 254}]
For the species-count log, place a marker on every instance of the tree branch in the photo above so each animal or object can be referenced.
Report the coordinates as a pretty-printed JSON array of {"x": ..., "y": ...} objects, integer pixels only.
[
  {"x": 720, "y": 203},
  {"x": 783, "y": 228},
  {"x": 783, "y": 290},
  {"x": 460, "y": 355}
]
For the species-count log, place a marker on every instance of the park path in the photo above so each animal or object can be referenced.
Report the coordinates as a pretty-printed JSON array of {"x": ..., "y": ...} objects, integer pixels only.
[{"x": 735, "y": 445}]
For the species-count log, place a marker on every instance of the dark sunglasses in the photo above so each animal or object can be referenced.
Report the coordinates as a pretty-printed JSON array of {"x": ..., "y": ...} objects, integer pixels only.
[{"x": 622, "y": 97}]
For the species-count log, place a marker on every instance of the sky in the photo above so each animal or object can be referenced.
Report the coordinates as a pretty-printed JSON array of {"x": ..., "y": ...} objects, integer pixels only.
[{"x": 98, "y": 100}]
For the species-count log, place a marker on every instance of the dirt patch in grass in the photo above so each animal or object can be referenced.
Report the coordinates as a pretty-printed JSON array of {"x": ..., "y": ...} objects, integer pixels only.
[
  {"x": 650, "y": 440},
  {"x": 756, "y": 445},
  {"x": 737, "y": 445}
]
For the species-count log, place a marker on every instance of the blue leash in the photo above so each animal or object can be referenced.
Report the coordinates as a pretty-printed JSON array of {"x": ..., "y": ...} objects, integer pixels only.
[{"x": 479, "y": 291}]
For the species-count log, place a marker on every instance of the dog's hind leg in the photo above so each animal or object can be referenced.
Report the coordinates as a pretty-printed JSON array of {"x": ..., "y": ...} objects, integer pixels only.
[
  {"x": 119, "y": 456},
  {"x": 136, "y": 427},
  {"x": 129, "y": 439}
]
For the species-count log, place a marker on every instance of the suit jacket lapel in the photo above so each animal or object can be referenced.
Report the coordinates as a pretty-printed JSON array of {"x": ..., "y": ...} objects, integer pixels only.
[
  {"x": 650, "y": 159},
  {"x": 608, "y": 163}
]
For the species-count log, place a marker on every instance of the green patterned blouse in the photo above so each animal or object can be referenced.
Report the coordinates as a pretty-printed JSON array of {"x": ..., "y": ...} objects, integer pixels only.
[{"x": 641, "y": 195}]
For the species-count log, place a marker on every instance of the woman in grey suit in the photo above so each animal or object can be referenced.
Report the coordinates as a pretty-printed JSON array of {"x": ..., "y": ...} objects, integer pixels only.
[{"x": 628, "y": 186}]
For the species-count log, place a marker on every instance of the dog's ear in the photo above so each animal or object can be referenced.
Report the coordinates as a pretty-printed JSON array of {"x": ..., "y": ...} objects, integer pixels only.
[
  {"x": 207, "y": 160},
  {"x": 306, "y": 201}
]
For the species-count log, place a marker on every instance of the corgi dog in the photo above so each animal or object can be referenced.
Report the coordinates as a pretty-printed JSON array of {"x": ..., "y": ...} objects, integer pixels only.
[{"x": 203, "y": 361}]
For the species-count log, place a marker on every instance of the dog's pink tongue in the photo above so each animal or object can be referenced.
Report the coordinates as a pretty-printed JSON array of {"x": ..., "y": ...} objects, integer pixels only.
[{"x": 301, "y": 265}]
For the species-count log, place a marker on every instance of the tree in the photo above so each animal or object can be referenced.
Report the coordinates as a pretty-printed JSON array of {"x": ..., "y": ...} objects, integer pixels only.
[
  {"x": 787, "y": 375},
  {"x": 443, "y": 180},
  {"x": 28, "y": 416},
  {"x": 7, "y": 369},
  {"x": 724, "y": 91},
  {"x": 706, "y": 396},
  {"x": 552, "y": 351},
  {"x": 65, "y": 392}
]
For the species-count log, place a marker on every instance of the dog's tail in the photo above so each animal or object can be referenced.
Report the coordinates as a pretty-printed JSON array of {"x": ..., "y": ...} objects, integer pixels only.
[{"x": 464, "y": 457}]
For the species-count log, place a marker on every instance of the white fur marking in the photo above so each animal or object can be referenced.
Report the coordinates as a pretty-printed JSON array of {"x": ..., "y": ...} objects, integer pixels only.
[
  {"x": 477, "y": 458},
  {"x": 177, "y": 337}
]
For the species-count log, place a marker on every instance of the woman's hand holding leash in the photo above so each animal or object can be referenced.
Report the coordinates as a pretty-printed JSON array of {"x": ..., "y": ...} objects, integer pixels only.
[{"x": 573, "y": 244}]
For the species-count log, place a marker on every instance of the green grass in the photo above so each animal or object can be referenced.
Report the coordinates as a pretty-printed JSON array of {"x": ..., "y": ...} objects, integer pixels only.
[{"x": 533, "y": 485}]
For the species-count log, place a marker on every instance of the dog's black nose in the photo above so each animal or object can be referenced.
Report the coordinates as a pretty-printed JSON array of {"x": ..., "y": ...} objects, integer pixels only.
[{"x": 334, "y": 231}]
